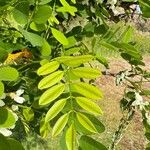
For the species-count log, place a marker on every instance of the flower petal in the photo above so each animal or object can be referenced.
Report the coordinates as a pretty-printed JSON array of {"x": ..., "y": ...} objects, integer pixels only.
[
  {"x": 18, "y": 99},
  {"x": 5, "y": 132},
  {"x": 3, "y": 96},
  {"x": 2, "y": 103},
  {"x": 19, "y": 92},
  {"x": 14, "y": 107}
]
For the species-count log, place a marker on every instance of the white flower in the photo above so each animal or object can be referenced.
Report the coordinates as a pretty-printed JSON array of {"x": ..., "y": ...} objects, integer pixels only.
[
  {"x": 14, "y": 107},
  {"x": 138, "y": 100},
  {"x": 3, "y": 96},
  {"x": 5, "y": 132},
  {"x": 2, "y": 103},
  {"x": 16, "y": 117},
  {"x": 17, "y": 96}
]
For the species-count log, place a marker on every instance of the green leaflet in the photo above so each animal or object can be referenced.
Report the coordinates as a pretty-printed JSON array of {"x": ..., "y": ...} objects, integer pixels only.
[
  {"x": 89, "y": 105},
  {"x": 102, "y": 60},
  {"x": 60, "y": 124},
  {"x": 42, "y": 2},
  {"x": 129, "y": 49},
  {"x": 33, "y": 38},
  {"x": 74, "y": 61},
  {"x": 64, "y": 3},
  {"x": 88, "y": 143},
  {"x": 53, "y": 19},
  {"x": 74, "y": 1},
  {"x": 51, "y": 94},
  {"x": 4, "y": 145},
  {"x": 7, "y": 119},
  {"x": 37, "y": 27},
  {"x": 145, "y": 6},
  {"x": 72, "y": 42},
  {"x": 127, "y": 35},
  {"x": 14, "y": 145},
  {"x": 43, "y": 62},
  {"x": 70, "y": 9},
  {"x": 86, "y": 123},
  {"x": 67, "y": 8},
  {"x": 8, "y": 74},
  {"x": 45, "y": 49},
  {"x": 28, "y": 114},
  {"x": 3, "y": 53},
  {"x": 20, "y": 17},
  {"x": 145, "y": 92},
  {"x": 50, "y": 80},
  {"x": 86, "y": 72},
  {"x": 42, "y": 14},
  {"x": 55, "y": 109},
  {"x": 70, "y": 138},
  {"x": 59, "y": 36},
  {"x": 44, "y": 128},
  {"x": 1, "y": 88},
  {"x": 72, "y": 51},
  {"x": 108, "y": 45},
  {"x": 48, "y": 68},
  {"x": 87, "y": 90},
  {"x": 97, "y": 124}
]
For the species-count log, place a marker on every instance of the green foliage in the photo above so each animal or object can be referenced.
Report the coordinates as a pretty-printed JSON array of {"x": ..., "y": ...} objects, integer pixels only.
[
  {"x": 8, "y": 74},
  {"x": 70, "y": 138},
  {"x": 88, "y": 143},
  {"x": 1, "y": 88},
  {"x": 60, "y": 124},
  {"x": 7, "y": 118},
  {"x": 9, "y": 143},
  {"x": 56, "y": 73},
  {"x": 59, "y": 36}
]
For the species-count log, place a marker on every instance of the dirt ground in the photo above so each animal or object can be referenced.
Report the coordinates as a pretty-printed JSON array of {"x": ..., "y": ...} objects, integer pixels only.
[{"x": 134, "y": 136}]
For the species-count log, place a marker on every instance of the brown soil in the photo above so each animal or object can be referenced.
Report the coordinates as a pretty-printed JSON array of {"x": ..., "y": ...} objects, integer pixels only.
[{"x": 134, "y": 136}]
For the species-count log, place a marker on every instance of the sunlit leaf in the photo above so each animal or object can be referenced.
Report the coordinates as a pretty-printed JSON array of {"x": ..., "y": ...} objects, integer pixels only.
[
  {"x": 28, "y": 114},
  {"x": 86, "y": 123},
  {"x": 86, "y": 72},
  {"x": 51, "y": 94},
  {"x": 87, "y": 90},
  {"x": 60, "y": 124},
  {"x": 74, "y": 1},
  {"x": 72, "y": 51},
  {"x": 55, "y": 109},
  {"x": 59, "y": 36},
  {"x": 70, "y": 138},
  {"x": 33, "y": 38},
  {"x": 127, "y": 35},
  {"x": 48, "y": 68},
  {"x": 1, "y": 88},
  {"x": 96, "y": 122},
  {"x": 50, "y": 80},
  {"x": 42, "y": 14},
  {"x": 7, "y": 119},
  {"x": 8, "y": 74},
  {"x": 46, "y": 48},
  {"x": 44, "y": 128},
  {"x": 20, "y": 17},
  {"x": 74, "y": 60},
  {"x": 88, "y": 143},
  {"x": 37, "y": 27},
  {"x": 89, "y": 105},
  {"x": 42, "y": 2}
]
